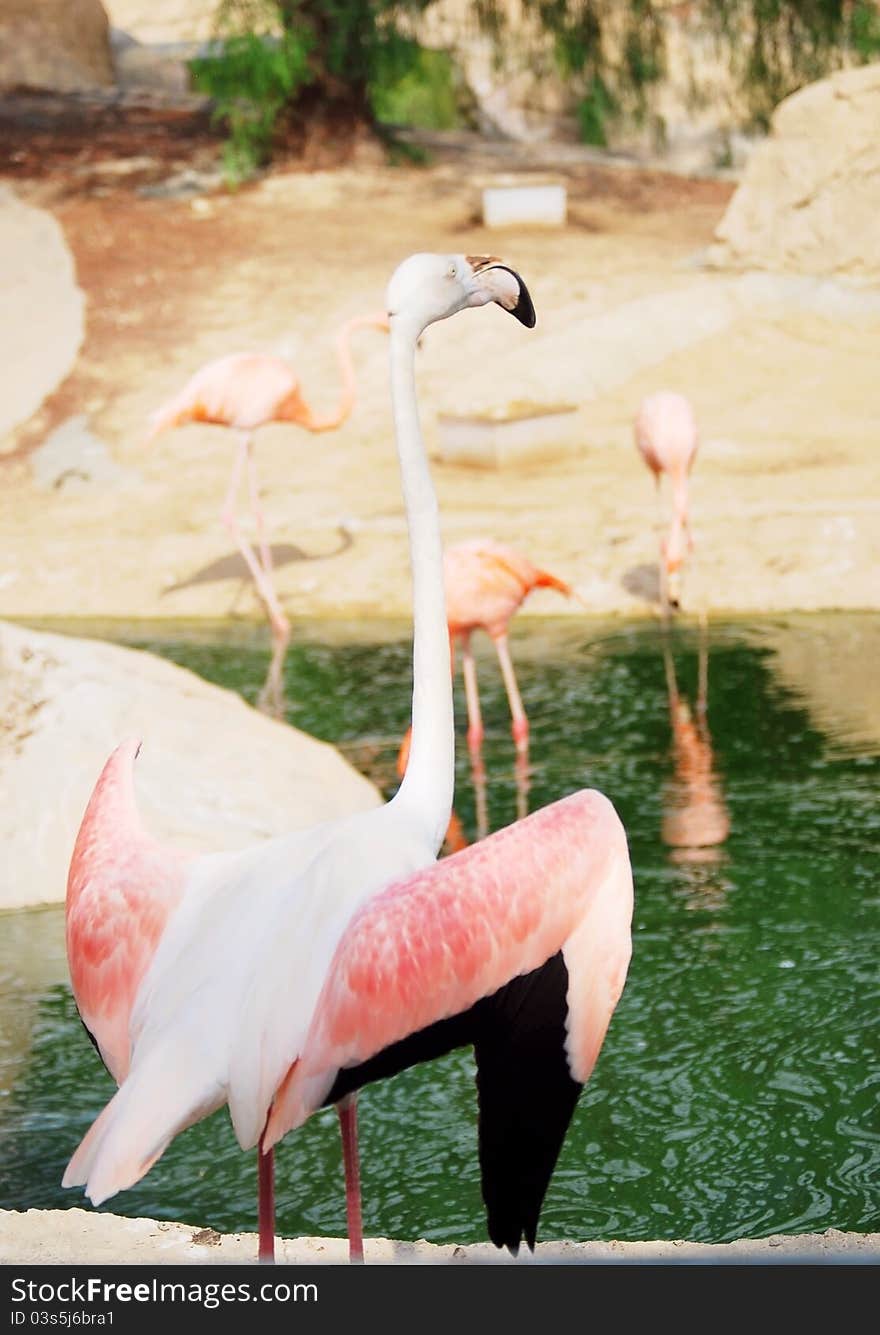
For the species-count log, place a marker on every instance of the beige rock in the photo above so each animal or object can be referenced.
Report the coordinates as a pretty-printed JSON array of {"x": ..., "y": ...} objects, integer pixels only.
[
  {"x": 63, "y": 45},
  {"x": 693, "y": 115},
  {"x": 43, "y": 307},
  {"x": 810, "y": 197},
  {"x": 75, "y": 1236},
  {"x": 155, "y": 68},
  {"x": 163, "y": 20},
  {"x": 213, "y": 773}
]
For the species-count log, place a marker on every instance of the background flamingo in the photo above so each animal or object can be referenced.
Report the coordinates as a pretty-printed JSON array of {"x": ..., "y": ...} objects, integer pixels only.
[
  {"x": 667, "y": 438},
  {"x": 244, "y": 391},
  {"x": 485, "y": 583},
  {"x": 225, "y": 1005}
]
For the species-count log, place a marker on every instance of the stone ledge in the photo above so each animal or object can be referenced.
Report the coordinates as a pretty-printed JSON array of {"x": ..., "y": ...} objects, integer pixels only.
[{"x": 77, "y": 1237}]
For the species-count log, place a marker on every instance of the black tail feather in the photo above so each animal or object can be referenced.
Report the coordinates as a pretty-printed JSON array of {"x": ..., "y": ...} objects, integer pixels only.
[
  {"x": 525, "y": 1092},
  {"x": 527, "y": 1097}
]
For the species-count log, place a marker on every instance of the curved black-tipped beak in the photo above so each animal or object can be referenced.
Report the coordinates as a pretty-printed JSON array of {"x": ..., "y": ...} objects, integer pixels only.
[
  {"x": 513, "y": 297},
  {"x": 524, "y": 310}
]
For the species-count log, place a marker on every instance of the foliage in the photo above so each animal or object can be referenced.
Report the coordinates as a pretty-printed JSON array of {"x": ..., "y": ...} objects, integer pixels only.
[
  {"x": 428, "y": 93},
  {"x": 777, "y": 46},
  {"x": 284, "y": 62},
  {"x": 594, "y": 110},
  {"x": 617, "y": 51},
  {"x": 251, "y": 75},
  {"x": 351, "y": 62}
]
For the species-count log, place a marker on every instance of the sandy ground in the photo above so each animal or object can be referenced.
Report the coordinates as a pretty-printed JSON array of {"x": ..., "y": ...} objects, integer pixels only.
[
  {"x": 782, "y": 374},
  {"x": 72, "y": 1237}
]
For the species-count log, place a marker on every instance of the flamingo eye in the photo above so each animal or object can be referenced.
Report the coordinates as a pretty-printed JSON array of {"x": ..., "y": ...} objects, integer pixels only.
[{"x": 452, "y": 271}]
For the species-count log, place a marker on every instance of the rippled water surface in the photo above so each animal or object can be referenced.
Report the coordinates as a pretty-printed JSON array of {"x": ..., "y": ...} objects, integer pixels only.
[{"x": 737, "y": 1091}]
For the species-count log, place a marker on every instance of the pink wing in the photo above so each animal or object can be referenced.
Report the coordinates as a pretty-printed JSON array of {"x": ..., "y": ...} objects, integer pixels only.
[
  {"x": 487, "y": 581},
  {"x": 121, "y": 890},
  {"x": 243, "y": 390},
  {"x": 433, "y": 945}
]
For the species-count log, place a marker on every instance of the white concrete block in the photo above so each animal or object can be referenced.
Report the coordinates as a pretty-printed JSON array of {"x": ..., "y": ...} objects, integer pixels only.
[
  {"x": 514, "y": 205},
  {"x": 518, "y": 434}
]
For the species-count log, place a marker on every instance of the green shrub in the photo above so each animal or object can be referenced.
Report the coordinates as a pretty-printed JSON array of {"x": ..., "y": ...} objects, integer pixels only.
[
  {"x": 864, "y": 30},
  {"x": 250, "y": 79},
  {"x": 427, "y": 92},
  {"x": 594, "y": 110}
]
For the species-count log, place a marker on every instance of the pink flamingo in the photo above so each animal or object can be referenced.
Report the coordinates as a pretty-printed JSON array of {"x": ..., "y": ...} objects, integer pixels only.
[
  {"x": 519, "y": 945},
  {"x": 244, "y": 391},
  {"x": 667, "y": 438},
  {"x": 485, "y": 583},
  {"x": 224, "y": 1006}
]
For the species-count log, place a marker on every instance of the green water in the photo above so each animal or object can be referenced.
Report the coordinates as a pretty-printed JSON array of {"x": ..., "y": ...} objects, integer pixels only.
[{"x": 736, "y": 1093}]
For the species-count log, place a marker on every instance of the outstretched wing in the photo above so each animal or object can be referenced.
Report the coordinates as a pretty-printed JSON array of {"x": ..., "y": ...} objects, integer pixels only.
[
  {"x": 463, "y": 952},
  {"x": 122, "y": 888}
]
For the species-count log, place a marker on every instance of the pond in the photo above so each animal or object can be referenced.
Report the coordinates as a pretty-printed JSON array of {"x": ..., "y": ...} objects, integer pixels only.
[{"x": 737, "y": 1091}]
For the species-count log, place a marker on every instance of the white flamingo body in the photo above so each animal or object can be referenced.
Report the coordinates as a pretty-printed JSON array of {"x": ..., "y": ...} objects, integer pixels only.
[{"x": 224, "y": 1007}]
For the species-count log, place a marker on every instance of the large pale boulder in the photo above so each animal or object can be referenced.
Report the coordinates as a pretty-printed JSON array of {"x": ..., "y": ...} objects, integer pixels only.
[
  {"x": 810, "y": 197},
  {"x": 43, "y": 308},
  {"x": 62, "y": 45},
  {"x": 160, "y": 21},
  {"x": 212, "y": 774}
]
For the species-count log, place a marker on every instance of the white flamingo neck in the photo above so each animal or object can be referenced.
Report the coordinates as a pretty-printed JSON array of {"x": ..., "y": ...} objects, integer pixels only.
[
  {"x": 426, "y": 790},
  {"x": 330, "y": 421}
]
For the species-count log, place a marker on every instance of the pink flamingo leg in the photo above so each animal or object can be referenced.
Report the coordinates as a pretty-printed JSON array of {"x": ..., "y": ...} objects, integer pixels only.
[
  {"x": 257, "y": 512},
  {"x": 662, "y": 540},
  {"x": 518, "y": 714},
  {"x": 347, "y": 1110},
  {"x": 472, "y": 695},
  {"x": 266, "y": 1207},
  {"x": 279, "y": 622}
]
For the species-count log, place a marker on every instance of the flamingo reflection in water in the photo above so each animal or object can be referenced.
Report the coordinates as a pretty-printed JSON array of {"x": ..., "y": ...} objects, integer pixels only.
[
  {"x": 481, "y": 796},
  {"x": 696, "y": 821}
]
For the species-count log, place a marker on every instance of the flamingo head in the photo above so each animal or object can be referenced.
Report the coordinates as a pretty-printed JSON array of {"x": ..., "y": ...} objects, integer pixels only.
[{"x": 426, "y": 288}]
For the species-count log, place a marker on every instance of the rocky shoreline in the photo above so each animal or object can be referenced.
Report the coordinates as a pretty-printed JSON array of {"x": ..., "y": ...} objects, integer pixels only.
[{"x": 78, "y": 1237}]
